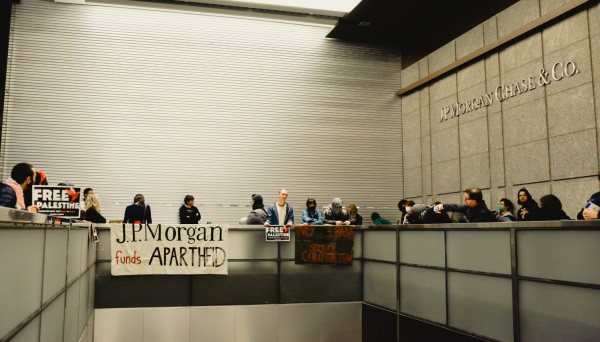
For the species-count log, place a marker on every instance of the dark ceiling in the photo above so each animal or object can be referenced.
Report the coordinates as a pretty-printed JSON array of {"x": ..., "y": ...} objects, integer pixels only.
[{"x": 415, "y": 27}]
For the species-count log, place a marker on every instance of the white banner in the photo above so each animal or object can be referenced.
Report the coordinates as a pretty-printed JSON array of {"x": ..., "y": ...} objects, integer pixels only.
[{"x": 167, "y": 249}]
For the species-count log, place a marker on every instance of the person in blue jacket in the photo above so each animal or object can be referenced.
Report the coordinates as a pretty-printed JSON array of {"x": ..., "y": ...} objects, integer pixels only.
[
  {"x": 311, "y": 215},
  {"x": 280, "y": 213}
]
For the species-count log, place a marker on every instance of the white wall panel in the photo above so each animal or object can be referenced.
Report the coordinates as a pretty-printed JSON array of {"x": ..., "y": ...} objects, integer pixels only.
[{"x": 134, "y": 100}]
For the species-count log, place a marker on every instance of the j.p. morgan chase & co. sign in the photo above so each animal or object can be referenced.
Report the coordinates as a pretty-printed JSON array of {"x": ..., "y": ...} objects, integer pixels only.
[{"x": 558, "y": 71}]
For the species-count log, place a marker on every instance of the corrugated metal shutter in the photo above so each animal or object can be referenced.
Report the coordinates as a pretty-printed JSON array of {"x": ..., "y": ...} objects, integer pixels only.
[{"x": 166, "y": 103}]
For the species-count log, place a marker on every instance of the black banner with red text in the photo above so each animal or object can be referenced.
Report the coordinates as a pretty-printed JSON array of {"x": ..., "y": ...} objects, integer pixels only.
[{"x": 324, "y": 245}]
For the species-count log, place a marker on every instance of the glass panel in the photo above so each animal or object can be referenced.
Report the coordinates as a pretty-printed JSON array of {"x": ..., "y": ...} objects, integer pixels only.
[
  {"x": 558, "y": 313},
  {"x": 21, "y": 292},
  {"x": 74, "y": 258},
  {"x": 481, "y": 304},
  {"x": 103, "y": 244},
  {"x": 484, "y": 251},
  {"x": 119, "y": 325},
  {"x": 423, "y": 293},
  {"x": 422, "y": 248},
  {"x": 72, "y": 313},
  {"x": 166, "y": 324},
  {"x": 52, "y": 320},
  {"x": 91, "y": 290},
  {"x": 560, "y": 255},
  {"x": 380, "y": 245},
  {"x": 31, "y": 332},
  {"x": 83, "y": 302},
  {"x": 340, "y": 322},
  {"x": 212, "y": 323},
  {"x": 247, "y": 267},
  {"x": 288, "y": 248},
  {"x": 244, "y": 244},
  {"x": 252, "y": 323},
  {"x": 320, "y": 283},
  {"x": 380, "y": 284},
  {"x": 358, "y": 247},
  {"x": 55, "y": 262}
]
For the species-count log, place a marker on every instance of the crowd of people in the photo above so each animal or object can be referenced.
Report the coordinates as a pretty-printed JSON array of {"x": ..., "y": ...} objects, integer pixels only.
[
  {"x": 16, "y": 192},
  {"x": 475, "y": 209}
]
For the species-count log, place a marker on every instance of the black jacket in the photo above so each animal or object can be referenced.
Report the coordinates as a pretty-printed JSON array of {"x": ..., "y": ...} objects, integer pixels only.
[
  {"x": 189, "y": 215},
  {"x": 93, "y": 215},
  {"x": 479, "y": 213},
  {"x": 534, "y": 211}
]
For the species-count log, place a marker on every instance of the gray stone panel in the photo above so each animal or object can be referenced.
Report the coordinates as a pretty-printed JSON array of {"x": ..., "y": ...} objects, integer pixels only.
[
  {"x": 475, "y": 92},
  {"x": 435, "y": 114},
  {"x": 492, "y": 66},
  {"x": 495, "y": 196},
  {"x": 424, "y": 67},
  {"x": 490, "y": 30},
  {"x": 490, "y": 85},
  {"x": 410, "y": 102},
  {"x": 442, "y": 57},
  {"x": 594, "y": 20},
  {"x": 443, "y": 88},
  {"x": 455, "y": 198},
  {"x": 536, "y": 190},
  {"x": 497, "y": 168},
  {"x": 446, "y": 177},
  {"x": 426, "y": 150},
  {"x": 520, "y": 53},
  {"x": 496, "y": 139},
  {"x": 571, "y": 110},
  {"x": 528, "y": 163},
  {"x": 574, "y": 155},
  {"x": 574, "y": 193},
  {"x": 565, "y": 33},
  {"x": 425, "y": 120},
  {"x": 520, "y": 75},
  {"x": 525, "y": 123},
  {"x": 411, "y": 125},
  {"x": 412, "y": 182},
  {"x": 410, "y": 75},
  {"x": 475, "y": 171},
  {"x": 471, "y": 75},
  {"x": 517, "y": 15},
  {"x": 579, "y": 53},
  {"x": 424, "y": 96},
  {"x": 549, "y": 5},
  {"x": 412, "y": 153},
  {"x": 595, "y": 42},
  {"x": 427, "y": 181},
  {"x": 444, "y": 145},
  {"x": 469, "y": 41},
  {"x": 473, "y": 137}
]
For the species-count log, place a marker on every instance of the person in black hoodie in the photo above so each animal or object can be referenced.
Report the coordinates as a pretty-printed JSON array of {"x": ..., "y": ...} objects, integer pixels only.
[
  {"x": 188, "y": 213},
  {"x": 258, "y": 215},
  {"x": 552, "y": 209},
  {"x": 474, "y": 208},
  {"x": 529, "y": 211}
]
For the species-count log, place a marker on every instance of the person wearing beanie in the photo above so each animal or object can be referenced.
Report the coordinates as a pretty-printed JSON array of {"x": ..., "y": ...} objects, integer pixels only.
[
  {"x": 311, "y": 215},
  {"x": 188, "y": 213},
  {"x": 258, "y": 215},
  {"x": 336, "y": 214}
]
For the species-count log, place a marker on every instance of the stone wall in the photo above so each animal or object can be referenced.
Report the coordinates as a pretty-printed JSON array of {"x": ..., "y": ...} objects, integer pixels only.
[{"x": 544, "y": 137}]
